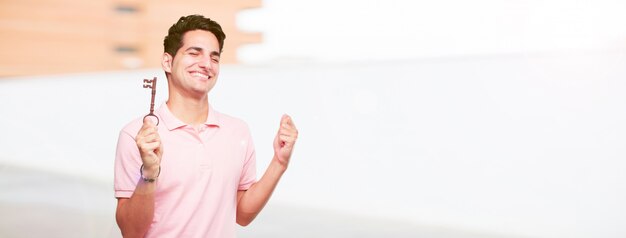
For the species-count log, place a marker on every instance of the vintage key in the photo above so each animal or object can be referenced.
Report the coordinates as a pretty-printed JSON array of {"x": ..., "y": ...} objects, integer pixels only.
[{"x": 151, "y": 84}]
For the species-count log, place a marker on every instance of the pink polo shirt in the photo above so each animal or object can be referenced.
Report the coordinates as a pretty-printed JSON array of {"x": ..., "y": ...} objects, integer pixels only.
[{"x": 201, "y": 172}]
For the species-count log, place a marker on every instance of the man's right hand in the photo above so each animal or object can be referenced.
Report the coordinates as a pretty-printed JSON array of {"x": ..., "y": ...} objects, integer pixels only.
[
  {"x": 135, "y": 214},
  {"x": 150, "y": 148}
]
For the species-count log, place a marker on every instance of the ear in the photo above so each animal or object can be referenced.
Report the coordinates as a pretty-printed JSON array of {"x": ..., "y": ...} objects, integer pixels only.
[{"x": 166, "y": 62}]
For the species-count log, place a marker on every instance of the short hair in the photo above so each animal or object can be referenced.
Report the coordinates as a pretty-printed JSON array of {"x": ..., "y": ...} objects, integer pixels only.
[{"x": 174, "y": 39}]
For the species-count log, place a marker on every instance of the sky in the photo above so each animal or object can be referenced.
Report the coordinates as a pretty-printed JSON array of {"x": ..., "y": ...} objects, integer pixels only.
[{"x": 364, "y": 30}]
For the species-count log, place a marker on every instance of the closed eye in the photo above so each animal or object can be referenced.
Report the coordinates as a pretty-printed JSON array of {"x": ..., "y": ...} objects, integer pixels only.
[
  {"x": 194, "y": 51},
  {"x": 215, "y": 56}
]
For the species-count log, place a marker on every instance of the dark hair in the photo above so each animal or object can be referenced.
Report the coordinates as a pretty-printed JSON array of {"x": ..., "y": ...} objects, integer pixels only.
[{"x": 174, "y": 39}]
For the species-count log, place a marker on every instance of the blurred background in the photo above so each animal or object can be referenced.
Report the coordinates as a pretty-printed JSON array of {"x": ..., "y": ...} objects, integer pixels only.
[{"x": 417, "y": 118}]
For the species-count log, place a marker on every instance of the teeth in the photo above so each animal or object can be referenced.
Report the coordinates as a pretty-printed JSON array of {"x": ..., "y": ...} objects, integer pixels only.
[{"x": 196, "y": 74}]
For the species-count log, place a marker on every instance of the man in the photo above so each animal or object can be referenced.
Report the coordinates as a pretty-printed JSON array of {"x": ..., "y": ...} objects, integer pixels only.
[{"x": 193, "y": 174}]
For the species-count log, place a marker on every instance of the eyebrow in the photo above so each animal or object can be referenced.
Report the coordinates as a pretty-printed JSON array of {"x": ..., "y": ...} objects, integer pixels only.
[{"x": 213, "y": 53}]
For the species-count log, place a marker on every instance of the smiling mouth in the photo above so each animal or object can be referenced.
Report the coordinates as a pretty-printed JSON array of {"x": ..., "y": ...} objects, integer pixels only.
[{"x": 201, "y": 75}]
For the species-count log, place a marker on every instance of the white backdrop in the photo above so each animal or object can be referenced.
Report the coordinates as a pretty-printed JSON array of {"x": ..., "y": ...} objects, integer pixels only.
[
  {"x": 363, "y": 30},
  {"x": 503, "y": 117},
  {"x": 528, "y": 146}
]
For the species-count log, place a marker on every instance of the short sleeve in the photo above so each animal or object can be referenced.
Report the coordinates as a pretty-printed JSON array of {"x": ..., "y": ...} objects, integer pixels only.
[{"x": 127, "y": 165}]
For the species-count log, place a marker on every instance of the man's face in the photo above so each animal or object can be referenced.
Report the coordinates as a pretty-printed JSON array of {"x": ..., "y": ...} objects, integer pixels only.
[{"x": 195, "y": 67}]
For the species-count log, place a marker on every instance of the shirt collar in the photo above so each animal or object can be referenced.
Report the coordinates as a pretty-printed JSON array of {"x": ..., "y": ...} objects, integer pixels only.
[{"x": 171, "y": 122}]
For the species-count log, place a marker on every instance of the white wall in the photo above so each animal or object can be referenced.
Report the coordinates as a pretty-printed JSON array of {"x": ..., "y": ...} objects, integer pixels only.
[
  {"x": 527, "y": 145},
  {"x": 362, "y": 30}
]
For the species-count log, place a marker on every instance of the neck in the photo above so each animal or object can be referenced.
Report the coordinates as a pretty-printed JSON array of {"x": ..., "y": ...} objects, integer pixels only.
[{"x": 189, "y": 110}]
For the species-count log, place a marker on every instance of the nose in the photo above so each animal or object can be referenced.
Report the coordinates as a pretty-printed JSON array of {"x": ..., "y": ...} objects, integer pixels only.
[{"x": 205, "y": 62}]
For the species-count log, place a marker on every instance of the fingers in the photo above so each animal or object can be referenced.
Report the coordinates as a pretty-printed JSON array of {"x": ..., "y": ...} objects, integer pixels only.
[
  {"x": 147, "y": 136},
  {"x": 147, "y": 128},
  {"x": 147, "y": 123},
  {"x": 287, "y": 133},
  {"x": 287, "y": 126},
  {"x": 286, "y": 121},
  {"x": 149, "y": 142},
  {"x": 287, "y": 140}
]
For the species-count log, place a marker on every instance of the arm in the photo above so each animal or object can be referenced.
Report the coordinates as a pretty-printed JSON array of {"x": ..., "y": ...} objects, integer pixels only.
[
  {"x": 250, "y": 202},
  {"x": 134, "y": 215}
]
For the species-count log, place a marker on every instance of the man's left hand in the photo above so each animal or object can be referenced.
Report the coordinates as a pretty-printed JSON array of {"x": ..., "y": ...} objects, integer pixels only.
[{"x": 285, "y": 140}]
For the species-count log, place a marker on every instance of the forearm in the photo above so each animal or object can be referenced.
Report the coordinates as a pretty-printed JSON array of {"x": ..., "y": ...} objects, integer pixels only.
[
  {"x": 254, "y": 199},
  {"x": 134, "y": 215}
]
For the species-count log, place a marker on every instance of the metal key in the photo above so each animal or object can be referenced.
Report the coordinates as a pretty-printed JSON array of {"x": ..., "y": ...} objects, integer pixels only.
[{"x": 151, "y": 84}]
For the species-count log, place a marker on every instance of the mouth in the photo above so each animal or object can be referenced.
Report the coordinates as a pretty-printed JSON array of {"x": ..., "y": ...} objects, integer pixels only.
[{"x": 200, "y": 75}]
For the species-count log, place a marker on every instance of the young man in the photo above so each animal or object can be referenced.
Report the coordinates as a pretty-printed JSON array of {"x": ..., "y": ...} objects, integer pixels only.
[{"x": 193, "y": 174}]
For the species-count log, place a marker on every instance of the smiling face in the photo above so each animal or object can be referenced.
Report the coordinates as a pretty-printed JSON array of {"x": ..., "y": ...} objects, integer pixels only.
[{"x": 193, "y": 71}]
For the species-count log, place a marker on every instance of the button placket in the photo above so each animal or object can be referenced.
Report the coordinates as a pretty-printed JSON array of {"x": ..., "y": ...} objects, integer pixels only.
[{"x": 203, "y": 156}]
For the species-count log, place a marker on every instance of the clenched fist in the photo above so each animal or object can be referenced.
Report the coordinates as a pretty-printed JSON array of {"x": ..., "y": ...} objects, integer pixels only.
[
  {"x": 285, "y": 140},
  {"x": 150, "y": 148}
]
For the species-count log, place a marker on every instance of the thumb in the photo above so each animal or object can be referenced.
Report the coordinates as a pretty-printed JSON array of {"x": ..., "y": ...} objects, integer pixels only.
[
  {"x": 277, "y": 141},
  {"x": 285, "y": 119},
  {"x": 148, "y": 120}
]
